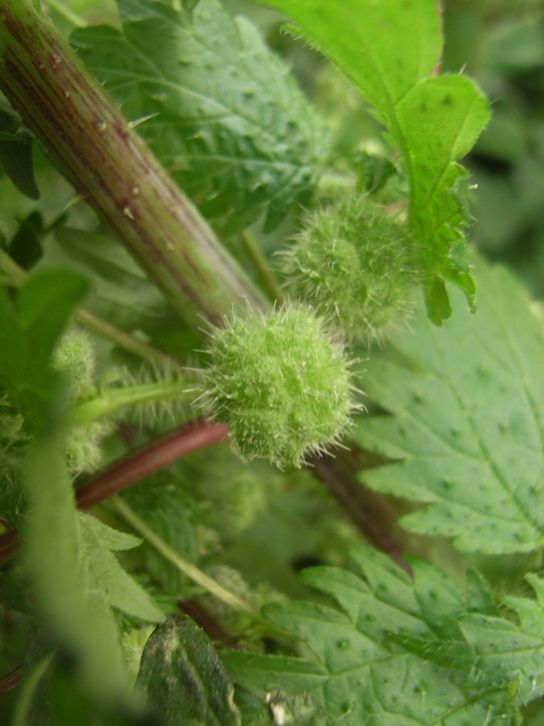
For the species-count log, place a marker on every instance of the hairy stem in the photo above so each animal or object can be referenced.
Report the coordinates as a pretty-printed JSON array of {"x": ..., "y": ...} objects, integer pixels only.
[
  {"x": 113, "y": 170},
  {"x": 367, "y": 510},
  {"x": 112, "y": 401},
  {"x": 261, "y": 266},
  {"x": 149, "y": 458}
]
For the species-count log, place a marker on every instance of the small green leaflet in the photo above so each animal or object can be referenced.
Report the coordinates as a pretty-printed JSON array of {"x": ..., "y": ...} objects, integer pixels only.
[
  {"x": 388, "y": 50},
  {"x": 106, "y": 574},
  {"x": 221, "y": 111},
  {"x": 363, "y": 672},
  {"x": 467, "y": 423},
  {"x": 185, "y": 682}
]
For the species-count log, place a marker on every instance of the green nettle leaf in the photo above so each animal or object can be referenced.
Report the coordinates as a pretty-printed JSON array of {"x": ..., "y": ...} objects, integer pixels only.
[
  {"x": 220, "y": 110},
  {"x": 186, "y": 683},
  {"x": 106, "y": 574},
  {"x": 363, "y": 672},
  {"x": 467, "y": 423},
  {"x": 388, "y": 50},
  {"x": 508, "y": 648},
  {"x": 16, "y": 153}
]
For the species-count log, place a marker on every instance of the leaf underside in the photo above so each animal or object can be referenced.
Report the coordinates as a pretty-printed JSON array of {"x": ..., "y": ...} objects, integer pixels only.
[{"x": 467, "y": 421}]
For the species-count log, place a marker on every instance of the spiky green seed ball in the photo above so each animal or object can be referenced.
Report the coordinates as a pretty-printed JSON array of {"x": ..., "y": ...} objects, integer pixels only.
[
  {"x": 352, "y": 263},
  {"x": 280, "y": 384}
]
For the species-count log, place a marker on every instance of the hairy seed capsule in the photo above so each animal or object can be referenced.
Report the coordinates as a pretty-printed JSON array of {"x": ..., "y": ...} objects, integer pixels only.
[
  {"x": 280, "y": 384},
  {"x": 353, "y": 265}
]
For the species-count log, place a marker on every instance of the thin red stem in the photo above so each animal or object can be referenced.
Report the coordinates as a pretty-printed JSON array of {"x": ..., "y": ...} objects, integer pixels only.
[
  {"x": 11, "y": 680},
  {"x": 147, "y": 459}
]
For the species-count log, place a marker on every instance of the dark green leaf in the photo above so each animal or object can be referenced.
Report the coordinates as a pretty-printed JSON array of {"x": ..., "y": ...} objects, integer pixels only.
[
  {"x": 26, "y": 246},
  {"x": 16, "y": 154},
  {"x": 221, "y": 111},
  {"x": 468, "y": 421},
  {"x": 184, "y": 679}
]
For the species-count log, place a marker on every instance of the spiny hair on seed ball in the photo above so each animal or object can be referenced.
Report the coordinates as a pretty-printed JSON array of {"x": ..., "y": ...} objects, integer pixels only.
[{"x": 281, "y": 384}]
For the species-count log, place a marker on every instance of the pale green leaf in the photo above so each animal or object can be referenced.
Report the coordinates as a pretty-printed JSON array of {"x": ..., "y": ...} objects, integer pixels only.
[
  {"x": 360, "y": 673},
  {"x": 106, "y": 574},
  {"x": 389, "y": 49},
  {"x": 467, "y": 421},
  {"x": 221, "y": 111},
  {"x": 185, "y": 682}
]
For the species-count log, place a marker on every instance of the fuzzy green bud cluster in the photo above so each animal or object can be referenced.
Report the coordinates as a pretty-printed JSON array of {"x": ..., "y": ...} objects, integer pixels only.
[
  {"x": 352, "y": 263},
  {"x": 75, "y": 358},
  {"x": 280, "y": 383}
]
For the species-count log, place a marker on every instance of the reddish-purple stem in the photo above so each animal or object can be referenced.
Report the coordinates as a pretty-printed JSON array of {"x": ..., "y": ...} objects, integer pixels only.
[
  {"x": 150, "y": 457},
  {"x": 11, "y": 680}
]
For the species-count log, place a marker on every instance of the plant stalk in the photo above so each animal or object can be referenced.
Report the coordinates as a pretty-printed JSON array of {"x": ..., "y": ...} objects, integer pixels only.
[{"x": 114, "y": 171}]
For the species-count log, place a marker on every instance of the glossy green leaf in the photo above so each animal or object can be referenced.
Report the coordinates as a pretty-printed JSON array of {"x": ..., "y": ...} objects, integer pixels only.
[
  {"x": 185, "y": 682},
  {"x": 221, "y": 111},
  {"x": 359, "y": 672},
  {"x": 467, "y": 421},
  {"x": 389, "y": 50}
]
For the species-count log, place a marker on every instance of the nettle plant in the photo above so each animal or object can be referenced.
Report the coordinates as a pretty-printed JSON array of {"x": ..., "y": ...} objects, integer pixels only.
[{"x": 293, "y": 260}]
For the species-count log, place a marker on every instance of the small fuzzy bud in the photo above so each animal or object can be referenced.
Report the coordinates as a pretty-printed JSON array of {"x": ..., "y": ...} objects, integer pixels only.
[
  {"x": 83, "y": 446},
  {"x": 353, "y": 265},
  {"x": 281, "y": 385},
  {"x": 75, "y": 357}
]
